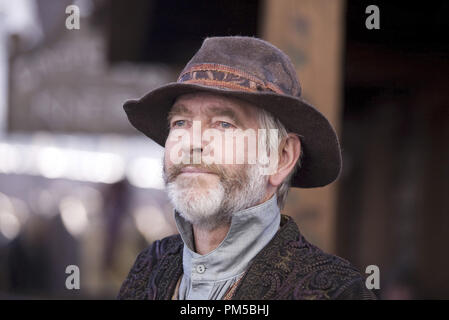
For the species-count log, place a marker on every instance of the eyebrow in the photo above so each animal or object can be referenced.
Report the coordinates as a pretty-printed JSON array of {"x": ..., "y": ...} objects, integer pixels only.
[{"x": 180, "y": 109}]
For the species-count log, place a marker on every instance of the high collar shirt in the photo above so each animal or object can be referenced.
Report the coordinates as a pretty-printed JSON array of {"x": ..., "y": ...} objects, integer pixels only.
[{"x": 210, "y": 276}]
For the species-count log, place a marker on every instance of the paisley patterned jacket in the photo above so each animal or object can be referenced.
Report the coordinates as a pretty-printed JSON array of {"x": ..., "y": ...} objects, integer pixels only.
[{"x": 289, "y": 267}]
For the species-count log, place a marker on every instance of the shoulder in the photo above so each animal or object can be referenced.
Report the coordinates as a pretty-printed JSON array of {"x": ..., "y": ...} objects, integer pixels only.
[
  {"x": 290, "y": 267},
  {"x": 154, "y": 252},
  {"x": 322, "y": 275},
  {"x": 327, "y": 276},
  {"x": 135, "y": 283}
]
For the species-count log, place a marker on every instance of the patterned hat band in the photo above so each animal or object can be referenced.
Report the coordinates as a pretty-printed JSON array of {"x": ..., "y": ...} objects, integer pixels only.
[{"x": 221, "y": 76}]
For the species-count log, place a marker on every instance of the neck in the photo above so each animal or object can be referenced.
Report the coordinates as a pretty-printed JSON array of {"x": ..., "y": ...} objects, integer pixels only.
[{"x": 207, "y": 240}]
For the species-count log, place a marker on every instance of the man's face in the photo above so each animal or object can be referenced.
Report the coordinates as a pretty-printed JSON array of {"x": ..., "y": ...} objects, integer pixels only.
[{"x": 208, "y": 193}]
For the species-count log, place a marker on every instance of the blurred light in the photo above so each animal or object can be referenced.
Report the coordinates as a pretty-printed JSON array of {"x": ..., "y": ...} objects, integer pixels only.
[
  {"x": 21, "y": 210},
  {"x": 74, "y": 215},
  {"x": 5, "y": 203},
  {"x": 95, "y": 166},
  {"x": 146, "y": 172},
  {"x": 97, "y": 159},
  {"x": 55, "y": 162},
  {"x": 9, "y": 225},
  {"x": 46, "y": 204},
  {"x": 151, "y": 223},
  {"x": 107, "y": 168},
  {"x": 91, "y": 198},
  {"x": 51, "y": 162},
  {"x": 8, "y": 158}
]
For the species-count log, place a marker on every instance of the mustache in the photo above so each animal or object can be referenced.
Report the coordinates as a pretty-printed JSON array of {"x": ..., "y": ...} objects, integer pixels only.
[{"x": 226, "y": 175}]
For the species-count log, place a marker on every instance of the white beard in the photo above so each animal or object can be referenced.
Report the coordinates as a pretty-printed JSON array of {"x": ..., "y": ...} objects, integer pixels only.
[{"x": 212, "y": 206}]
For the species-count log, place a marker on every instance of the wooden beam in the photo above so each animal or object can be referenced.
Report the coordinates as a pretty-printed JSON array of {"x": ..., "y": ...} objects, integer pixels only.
[{"x": 310, "y": 33}]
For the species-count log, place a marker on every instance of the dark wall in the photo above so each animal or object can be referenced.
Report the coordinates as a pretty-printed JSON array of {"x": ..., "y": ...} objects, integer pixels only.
[
  {"x": 393, "y": 201},
  {"x": 170, "y": 31}
]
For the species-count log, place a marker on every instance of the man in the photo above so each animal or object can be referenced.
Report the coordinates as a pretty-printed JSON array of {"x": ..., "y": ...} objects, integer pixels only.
[{"x": 234, "y": 243}]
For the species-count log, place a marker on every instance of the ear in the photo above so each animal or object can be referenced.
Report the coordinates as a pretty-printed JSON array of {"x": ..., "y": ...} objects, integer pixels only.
[{"x": 289, "y": 152}]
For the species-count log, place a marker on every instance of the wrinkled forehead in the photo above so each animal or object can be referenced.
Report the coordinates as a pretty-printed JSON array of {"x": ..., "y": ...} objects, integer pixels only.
[{"x": 211, "y": 104}]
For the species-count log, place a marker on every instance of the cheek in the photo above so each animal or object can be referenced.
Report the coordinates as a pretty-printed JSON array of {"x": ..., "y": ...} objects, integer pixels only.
[
  {"x": 167, "y": 150},
  {"x": 233, "y": 171}
]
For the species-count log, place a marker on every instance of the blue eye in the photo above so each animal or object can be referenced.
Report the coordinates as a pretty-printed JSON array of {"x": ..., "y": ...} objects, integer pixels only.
[
  {"x": 179, "y": 123},
  {"x": 225, "y": 125}
]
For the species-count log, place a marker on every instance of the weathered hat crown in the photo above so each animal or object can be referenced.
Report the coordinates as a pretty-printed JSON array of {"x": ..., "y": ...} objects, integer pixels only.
[{"x": 242, "y": 63}]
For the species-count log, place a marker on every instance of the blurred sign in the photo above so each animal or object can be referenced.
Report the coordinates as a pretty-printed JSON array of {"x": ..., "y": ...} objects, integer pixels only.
[{"x": 68, "y": 86}]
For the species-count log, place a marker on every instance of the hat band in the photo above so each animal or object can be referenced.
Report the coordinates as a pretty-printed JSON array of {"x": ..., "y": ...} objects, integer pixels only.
[{"x": 221, "y": 76}]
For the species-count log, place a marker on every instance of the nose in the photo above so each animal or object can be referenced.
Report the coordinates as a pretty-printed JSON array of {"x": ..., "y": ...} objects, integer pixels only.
[
  {"x": 196, "y": 145},
  {"x": 195, "y": 155}
]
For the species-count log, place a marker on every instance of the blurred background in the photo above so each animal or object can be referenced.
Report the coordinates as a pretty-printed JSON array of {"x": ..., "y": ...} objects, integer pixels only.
[{"x": 80, "y": 186}]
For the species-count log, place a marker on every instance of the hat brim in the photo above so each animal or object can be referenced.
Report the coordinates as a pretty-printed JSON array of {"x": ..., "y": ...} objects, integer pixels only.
[{"x": 321, "y": 159}]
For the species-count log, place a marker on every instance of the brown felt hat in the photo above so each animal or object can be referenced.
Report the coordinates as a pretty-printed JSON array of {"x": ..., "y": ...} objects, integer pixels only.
[{"x": 257, "y": 72}]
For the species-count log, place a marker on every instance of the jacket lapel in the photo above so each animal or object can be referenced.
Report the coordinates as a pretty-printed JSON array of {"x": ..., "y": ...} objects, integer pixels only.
[
  {"x": 269, "y": 270},
  {"x": 163, "y": 280}
]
